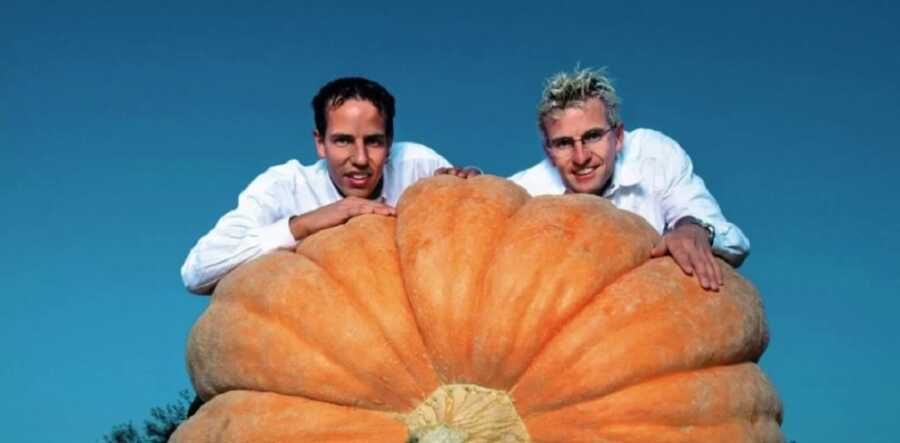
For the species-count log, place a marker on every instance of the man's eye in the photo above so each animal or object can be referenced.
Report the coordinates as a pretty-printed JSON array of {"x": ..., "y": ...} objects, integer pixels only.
[
  {"x": 375, "y": 142},
  {"x": 342, "y": 141},
  {"x": 592, "y": 136},
  {"x": 562, "y": 143}
]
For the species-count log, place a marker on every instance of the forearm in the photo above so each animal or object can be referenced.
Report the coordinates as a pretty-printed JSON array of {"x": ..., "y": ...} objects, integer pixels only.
[
  {"x": 691, "y": 198},
  {"x": 731, "y": 244},
  {"x": 257, "y": 225},
  {"x": 685, "y": 194},
  {"x": 227, "y": 246},
  {"x": 304, "y": 225}
]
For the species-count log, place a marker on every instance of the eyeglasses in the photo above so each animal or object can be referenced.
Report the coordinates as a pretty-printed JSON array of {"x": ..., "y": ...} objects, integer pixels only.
[{"x": 589, "y": 139}]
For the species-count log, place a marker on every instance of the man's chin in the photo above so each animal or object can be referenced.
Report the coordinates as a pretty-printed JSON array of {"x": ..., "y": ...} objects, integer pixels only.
[
  {"x": 583, "y": 188},
  {"x": 357, "y": 192}
]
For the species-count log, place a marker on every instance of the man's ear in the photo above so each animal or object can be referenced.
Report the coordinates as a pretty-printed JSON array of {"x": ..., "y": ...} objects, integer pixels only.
[
  {"x": 620, "y": 137},
  {"x": 547, "y": 153},
  {"x": 320, "y": 143}
]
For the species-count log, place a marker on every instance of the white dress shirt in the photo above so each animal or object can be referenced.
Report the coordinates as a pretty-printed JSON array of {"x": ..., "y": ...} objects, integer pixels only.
[
  {"x": 653, "y": 177},
  {"x": 259, "y": 224}
]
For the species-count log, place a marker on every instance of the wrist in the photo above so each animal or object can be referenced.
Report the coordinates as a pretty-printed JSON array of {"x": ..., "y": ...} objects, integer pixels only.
[
  {"x": 297, "y": 224},
  {"x": 689, "y": 220}
]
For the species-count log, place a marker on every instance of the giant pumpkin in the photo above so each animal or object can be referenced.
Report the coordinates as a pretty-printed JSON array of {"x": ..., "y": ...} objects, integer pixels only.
[{"x": 479, "y": 314}]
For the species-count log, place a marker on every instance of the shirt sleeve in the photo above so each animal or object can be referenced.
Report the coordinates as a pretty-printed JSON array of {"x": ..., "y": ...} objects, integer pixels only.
[
  {"x": 428, "y": 165},
  {"x": 425, "y": 161},
  {"x": 418, "y": 162},
  {"x": 686, "y": 195},
  {"x": 258, "y": 225}
]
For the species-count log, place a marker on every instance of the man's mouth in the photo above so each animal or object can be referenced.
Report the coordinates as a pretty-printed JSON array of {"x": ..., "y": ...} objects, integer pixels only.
[
  {"x": 585, "y": 172},
  {"x": 358, "y": 179}
]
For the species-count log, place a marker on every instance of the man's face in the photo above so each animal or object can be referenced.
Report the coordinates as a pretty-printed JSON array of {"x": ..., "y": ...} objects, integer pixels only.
[
  {"x": 581, "y": 146},
  {"x": 355, "y": 146}
]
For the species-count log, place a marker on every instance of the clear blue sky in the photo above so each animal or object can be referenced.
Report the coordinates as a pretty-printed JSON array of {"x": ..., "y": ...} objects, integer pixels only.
[{"x": 125, "y": 131}]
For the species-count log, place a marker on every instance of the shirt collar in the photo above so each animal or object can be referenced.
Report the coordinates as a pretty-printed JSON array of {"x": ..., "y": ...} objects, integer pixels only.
[
  {"x": 331, "y": 193},
  {"x": 555, "y": 181},
  {"x": 625, "y": 173}
]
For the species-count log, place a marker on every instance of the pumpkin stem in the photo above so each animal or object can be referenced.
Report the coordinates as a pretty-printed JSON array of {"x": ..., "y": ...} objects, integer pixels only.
[
  {"x": 439, "y": 434},
  {"x": 466, "y": 413}
]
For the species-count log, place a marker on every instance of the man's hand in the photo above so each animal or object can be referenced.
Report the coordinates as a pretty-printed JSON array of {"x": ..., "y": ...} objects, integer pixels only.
[
  {"x": 689, "y": 246},
  {"x": 466, "y": 172},
  {"x": 337, "y": 213}
]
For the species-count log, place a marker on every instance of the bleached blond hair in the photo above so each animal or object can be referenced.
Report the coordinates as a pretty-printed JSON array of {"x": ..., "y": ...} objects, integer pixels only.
[{"x": 571, "y": 89}]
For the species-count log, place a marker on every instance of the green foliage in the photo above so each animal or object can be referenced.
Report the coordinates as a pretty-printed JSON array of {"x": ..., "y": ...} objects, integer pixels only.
[
  {"x": 124, "y": 433},
  {"x": 158, "y": 428}
]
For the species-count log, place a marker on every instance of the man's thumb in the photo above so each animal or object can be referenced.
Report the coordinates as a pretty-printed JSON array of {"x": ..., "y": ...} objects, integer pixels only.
[{"x": 660, "y": 249}]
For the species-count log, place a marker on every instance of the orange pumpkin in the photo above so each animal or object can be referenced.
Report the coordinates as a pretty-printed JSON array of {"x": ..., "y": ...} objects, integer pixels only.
[{"x": 479, "y": 314}]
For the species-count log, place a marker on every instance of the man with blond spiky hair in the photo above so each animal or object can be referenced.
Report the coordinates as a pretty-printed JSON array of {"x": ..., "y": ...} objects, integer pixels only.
[{"x": 642, "y": 171}]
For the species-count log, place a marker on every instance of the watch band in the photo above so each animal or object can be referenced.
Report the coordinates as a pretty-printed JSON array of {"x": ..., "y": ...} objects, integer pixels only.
[{"x": 689, "y": 219}]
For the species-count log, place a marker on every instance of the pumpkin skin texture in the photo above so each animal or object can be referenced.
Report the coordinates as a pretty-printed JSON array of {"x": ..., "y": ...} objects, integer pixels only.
[{"x": 480, "y": 314}]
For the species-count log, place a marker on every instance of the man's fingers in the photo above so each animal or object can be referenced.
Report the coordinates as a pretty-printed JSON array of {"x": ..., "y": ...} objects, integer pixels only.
[
  {"x": 698, "y": 259},
  {"x": 471, "y": 171},
  {"x": 697, "y": 265},
  {"x": 357, "y": 210},
  {"x": 717, "y": 269},
  {"x": 384, "y": 210},
  {"x": 659, "y": 249},
  {"x": 711, "y": 271},
  {"x": 376, "y": 207},
  {"x": 682, "y": 259},
  {"x": 693, "y": 255},
  {"x": 456, "y": 171},
  {"x": 449, "y": 170},
  {"x": 383, "y": 206},
  {"x": 363, "y": 207},
  {"x": 710, "y": 267},
  {"x": 704, "y": 272}
]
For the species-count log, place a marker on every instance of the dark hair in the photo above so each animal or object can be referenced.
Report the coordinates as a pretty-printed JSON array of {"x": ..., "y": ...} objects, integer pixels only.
[{"x": 336, "y": 92}]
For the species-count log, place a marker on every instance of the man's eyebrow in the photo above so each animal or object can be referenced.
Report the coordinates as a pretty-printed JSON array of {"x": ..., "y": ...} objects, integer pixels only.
[
  {"x": 593, "y": 130},
  {"x": 597, "y": 129}
]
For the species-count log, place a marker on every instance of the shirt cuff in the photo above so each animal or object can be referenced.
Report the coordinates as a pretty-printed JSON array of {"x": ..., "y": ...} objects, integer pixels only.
[{"x": 277, "y": 235}]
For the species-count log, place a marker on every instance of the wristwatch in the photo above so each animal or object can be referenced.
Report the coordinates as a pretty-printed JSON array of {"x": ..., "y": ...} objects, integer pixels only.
[{"x": 689, "y": 219}]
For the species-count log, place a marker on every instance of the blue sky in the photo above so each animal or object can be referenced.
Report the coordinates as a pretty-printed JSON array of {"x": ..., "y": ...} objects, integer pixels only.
[{"x": 125, "y": 131}]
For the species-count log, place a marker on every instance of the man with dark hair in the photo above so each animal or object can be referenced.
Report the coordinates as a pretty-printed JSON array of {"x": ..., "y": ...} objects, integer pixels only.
[
  {"x": 336, "y": 92},
  {"x": 360, "y": 171},
  {"x": 643, "y": 171}
]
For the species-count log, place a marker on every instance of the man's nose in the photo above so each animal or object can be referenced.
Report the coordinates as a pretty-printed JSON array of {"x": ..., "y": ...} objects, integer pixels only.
[
  {"x": 360, "y": 155},
  {"x": 580, "y": 155}
]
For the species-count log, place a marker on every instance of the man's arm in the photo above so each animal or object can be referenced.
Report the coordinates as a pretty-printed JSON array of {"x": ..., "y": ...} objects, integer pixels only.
[
  {"x": 265, "y": 219},
  {"x": 304, "y": 225},
  {"x": 259, "y": 224},
  {"x": 684, "y": 195}
]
